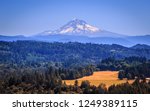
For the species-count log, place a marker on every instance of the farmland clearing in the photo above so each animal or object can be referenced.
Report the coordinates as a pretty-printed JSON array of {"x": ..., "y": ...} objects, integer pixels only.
[{"x": 101, "y": 77}]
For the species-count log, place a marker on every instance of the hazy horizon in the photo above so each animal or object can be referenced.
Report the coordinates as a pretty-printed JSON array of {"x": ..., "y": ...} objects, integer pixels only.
[{"x": 28, "y": 17}]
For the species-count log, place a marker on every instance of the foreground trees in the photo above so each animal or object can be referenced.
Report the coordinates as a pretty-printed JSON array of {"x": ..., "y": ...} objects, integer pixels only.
[
  {"x": 53, "y": 85},
  {"x": 21, "y": 79}
]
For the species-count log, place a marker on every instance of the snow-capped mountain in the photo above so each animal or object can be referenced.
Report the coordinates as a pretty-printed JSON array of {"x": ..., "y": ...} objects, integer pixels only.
[
  {"x": 80, "y": 31},
  {"x": 80, "y": 27}
]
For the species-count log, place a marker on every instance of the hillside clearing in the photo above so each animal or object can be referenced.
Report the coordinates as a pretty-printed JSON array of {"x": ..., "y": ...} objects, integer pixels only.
[{"x": 106, "y": 77}]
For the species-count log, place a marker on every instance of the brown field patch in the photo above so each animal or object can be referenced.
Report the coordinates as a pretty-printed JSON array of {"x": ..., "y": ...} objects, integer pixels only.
[{"x": 106, "y": 77}]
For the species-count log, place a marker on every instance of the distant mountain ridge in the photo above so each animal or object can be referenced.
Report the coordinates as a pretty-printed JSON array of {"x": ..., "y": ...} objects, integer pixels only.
[
  {"x": 126, "y": 41},
  {"x": 141, "y": 46}
]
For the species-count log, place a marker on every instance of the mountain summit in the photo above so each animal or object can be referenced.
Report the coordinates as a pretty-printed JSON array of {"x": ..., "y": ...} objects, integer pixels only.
[{"x": 80, "y": 27}]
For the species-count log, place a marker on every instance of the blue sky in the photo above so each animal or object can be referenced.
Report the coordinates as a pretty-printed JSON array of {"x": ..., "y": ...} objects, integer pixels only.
[{"x": 28, "y": 17}]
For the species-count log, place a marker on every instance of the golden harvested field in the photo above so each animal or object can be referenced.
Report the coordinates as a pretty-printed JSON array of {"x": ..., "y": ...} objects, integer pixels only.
[{"x": 106, "y": 77}]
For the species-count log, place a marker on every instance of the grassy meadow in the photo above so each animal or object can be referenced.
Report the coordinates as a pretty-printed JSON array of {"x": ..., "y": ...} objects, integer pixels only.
[{"x": 101, "y": 77}]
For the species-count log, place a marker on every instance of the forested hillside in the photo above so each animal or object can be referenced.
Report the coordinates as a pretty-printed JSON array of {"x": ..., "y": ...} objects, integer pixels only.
[
  {"x": 40, "y": 67},
  {"x": 24, "y": 52}
]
